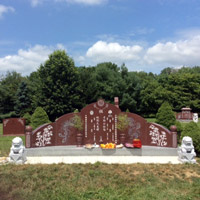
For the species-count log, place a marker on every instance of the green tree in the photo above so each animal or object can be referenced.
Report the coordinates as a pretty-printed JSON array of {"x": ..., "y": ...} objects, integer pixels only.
[
  {"x": 35, "y": 87},
  {"x": 39, "y": 117},
  {"x": 165, "y": 116},
  {"x": 88, "y": 85},
  {"x": 131, "y": 93},
  {"x": 23, "y": 103},
  {"x": 152, "y": 96},
  {"x": 60, "y": 86},
  {"x": 109, "y": 82},
  {"x": 8, "y": 87},
  {"x": 27, "y": 117}
]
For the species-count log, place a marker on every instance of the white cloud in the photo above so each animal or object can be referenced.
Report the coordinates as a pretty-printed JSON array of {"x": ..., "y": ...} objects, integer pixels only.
[
  {"x": 114, "y": 52},
  {"x": 26, "y": 61},
  {"x": 5, "y": 9},
  {"x": 35, "y": 3},
  {"x": 182, "y": 52},
  {"x": 87, "y": 2}
]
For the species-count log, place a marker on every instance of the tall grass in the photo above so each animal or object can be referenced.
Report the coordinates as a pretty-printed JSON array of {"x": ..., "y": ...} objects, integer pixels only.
[{"x": 100, "y": 181}]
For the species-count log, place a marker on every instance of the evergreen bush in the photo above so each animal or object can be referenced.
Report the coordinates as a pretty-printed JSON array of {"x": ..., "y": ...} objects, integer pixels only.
[
  {"x": 11, "y": 114},
  {"x": 179, "y": 130},
  {"x": 165, "y": 116},
  {"x": 39, "y": 117},
  {"x": 123, "y": 122},
  {"x": 27, "y": 117},
  {"x": 192, "y": 130}
]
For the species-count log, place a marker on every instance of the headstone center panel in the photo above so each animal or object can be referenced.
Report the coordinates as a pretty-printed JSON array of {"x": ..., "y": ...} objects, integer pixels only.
[{"x": 100, "y": 123}]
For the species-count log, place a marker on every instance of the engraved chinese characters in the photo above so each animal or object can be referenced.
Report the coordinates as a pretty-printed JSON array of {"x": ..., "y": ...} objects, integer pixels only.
[
  {"x": 99, "y": 126},
  {"x": 100, "y": 123}
]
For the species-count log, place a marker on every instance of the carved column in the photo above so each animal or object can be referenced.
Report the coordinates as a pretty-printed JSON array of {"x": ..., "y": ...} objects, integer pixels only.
[
  {"x": 173, "y": 130},
  {"x": 28, "y": 137}
]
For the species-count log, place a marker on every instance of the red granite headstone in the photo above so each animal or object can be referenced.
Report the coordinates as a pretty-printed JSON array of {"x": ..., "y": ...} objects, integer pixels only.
[
  {"x": 14, "y": 126},
  {"x": 100, "y": 123},
  {"x": 100, "y": 127}
]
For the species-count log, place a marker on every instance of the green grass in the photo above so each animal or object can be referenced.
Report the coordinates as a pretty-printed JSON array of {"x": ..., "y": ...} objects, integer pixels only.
[
  {"x": 100, "y": 181},
  {"x": 150, "y": 119},
  {"x": 6, "y": 142}
]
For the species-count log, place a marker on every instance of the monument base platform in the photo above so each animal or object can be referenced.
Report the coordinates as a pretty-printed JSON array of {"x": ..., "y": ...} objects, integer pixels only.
[{"x": 82, "y": 151}]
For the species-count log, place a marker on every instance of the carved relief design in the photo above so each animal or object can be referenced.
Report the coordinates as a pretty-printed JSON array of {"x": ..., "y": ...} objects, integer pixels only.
[
  {"x": 21, "y": 121},
  {"x": 5, "y": 122},
  {"x": 101, "y": 105},
  {"x": 66, "y": 128},
  {"x": 157, "y": 137},
  {"x": 134, "y": 129},
  {"x": 44, "y": 138}
]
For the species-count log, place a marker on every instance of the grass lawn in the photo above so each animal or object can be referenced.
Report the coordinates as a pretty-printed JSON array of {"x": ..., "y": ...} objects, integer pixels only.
[
  {"x": 6, "y": 142},
  {"x": 100, "y": 181}
]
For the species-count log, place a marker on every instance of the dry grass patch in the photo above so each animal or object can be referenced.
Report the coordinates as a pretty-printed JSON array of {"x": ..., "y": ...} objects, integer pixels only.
[{"x": 100, "y": 181}]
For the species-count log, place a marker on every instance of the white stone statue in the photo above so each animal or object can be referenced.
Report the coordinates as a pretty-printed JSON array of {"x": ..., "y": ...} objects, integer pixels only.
[
  {"x": 186, "y": 151},
  {"x": 195, "y": 117},
  {"x": 17, "y": 151}
]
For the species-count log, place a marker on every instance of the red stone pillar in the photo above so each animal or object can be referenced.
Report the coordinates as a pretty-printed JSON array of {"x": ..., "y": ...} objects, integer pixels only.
[
  {"x": 116, "y": 100},
  {"x": 28, "y": 136},
  {"x": 173, "y": 130}
]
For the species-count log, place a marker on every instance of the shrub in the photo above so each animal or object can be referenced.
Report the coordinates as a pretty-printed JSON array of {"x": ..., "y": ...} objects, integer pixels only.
[
  {"x": 192, "y": 130},
  {"x": 77, "y": 122},
  {"x": 39, "y": 117},
  {"x": 165, "y": 116},
  {"x": 179, "y": 130},
  {"x": 123, "y": 122},
  {"x": 27, "y": 117},
  {"x": 8, "y": 115}
]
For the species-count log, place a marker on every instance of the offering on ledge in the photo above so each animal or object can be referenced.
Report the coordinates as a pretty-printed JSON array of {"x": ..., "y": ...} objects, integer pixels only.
[
  {"x": 119, "y": 146},
  {"x": 129, "y": 145},
  {"x": 137, "y": 143},
  {"x": 108, "y": 146},
  {"x": 89, "y": 146}
]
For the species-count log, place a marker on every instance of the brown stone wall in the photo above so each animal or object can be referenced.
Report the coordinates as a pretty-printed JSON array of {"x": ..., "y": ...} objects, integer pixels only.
[
  {"x": 137, "y": 128},
  {"x": 14, "y": 126},
  {"x": 65, "y": 132},
  {"x": 44, "y": 136},
  {"x": 100, "y": 126},
  {"x": 157, "y": 135}
]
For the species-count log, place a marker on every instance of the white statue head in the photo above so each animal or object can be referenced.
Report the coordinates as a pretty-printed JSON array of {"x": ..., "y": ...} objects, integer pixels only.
[
  {"x": 187, "y": 141},
  {"x": 17, "y": 142}
]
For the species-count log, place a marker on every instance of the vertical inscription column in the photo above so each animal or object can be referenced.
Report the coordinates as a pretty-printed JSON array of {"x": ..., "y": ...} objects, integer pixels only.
[{"x": 100, "y": 123}]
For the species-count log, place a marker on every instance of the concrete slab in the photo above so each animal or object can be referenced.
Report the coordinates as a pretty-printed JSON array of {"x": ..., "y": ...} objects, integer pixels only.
[
  {"x": 104, "y": 159},
  {"x": 81, "y": 151}
]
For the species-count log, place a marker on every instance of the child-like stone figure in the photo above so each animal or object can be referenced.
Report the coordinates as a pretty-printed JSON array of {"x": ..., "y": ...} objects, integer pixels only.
[
  {"x": 17, "y": 151},
  {"x": 186, "y": 151}
]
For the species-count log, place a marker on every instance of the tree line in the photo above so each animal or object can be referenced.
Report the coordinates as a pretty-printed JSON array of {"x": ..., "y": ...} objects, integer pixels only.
[{"x": 59, "y": 87}]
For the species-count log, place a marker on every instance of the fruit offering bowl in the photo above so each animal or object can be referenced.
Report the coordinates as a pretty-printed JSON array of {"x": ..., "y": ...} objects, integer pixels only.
[{"x": 108, "y": 146}]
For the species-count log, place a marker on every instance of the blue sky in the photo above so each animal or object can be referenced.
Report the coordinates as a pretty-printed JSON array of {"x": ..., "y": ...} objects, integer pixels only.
[{"x": 146, "y": 35}]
